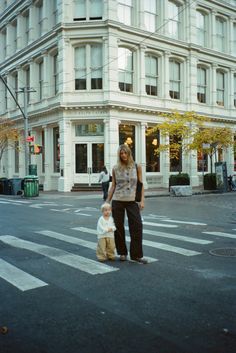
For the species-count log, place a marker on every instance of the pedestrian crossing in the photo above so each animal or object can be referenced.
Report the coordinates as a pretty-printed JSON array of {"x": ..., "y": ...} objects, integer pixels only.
[{"x": 155, "y": 241}]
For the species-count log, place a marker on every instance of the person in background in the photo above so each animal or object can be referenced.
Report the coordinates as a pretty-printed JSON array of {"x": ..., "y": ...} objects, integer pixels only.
[
  {"x": 122, "y": 194},
  {"x": 104, "y": 178},
  {"x": 105, "y": 232}
]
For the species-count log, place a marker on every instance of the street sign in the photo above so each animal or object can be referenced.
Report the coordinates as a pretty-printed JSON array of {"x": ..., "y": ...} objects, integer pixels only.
[{"x": 30, "y": 139}]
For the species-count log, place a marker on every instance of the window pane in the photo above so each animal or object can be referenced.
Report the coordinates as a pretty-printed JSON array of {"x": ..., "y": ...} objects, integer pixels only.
[
  {"x": 96, "y": 9},
  {"x": 127, "y": 136},
  {"x": 152, "y": 159},
  {"x": 80, "y": 10}
]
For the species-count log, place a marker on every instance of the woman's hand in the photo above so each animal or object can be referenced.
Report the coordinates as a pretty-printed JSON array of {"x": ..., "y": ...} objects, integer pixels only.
[{"x": 141, "y": 205}]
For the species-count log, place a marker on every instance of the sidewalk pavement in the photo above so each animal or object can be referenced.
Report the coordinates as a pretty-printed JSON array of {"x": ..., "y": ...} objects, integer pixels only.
[{"x": 152, "y": 192}]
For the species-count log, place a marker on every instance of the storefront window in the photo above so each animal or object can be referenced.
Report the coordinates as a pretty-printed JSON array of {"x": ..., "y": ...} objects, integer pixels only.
[
  {"x": 127, "y": 136},
  {"x": 89, "y": 130},
  {"x": 152, "y": 159},
  {"x": 202, "y": 162},
  {"x": 175, "y": 155},
  {"x": 56, "y": 150}
]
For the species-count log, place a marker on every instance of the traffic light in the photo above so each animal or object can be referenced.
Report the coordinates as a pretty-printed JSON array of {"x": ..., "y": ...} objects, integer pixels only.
[{"x": 36, "y": 149}]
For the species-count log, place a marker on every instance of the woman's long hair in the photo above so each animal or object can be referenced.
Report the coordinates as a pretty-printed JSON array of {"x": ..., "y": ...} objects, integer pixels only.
[
  {"x": 104, "y": 169},
  {"x": 130, "y": 161}
]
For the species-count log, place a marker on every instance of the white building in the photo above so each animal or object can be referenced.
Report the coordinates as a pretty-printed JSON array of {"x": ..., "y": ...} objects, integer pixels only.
[{"x": 102, "y": 70}]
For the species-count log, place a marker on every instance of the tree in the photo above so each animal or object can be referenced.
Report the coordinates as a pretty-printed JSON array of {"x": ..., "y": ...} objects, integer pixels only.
[
  {"x": 209, "y": 139},
  {"x": 188, "y": 132},
  {"x": 8, "y": 135}
]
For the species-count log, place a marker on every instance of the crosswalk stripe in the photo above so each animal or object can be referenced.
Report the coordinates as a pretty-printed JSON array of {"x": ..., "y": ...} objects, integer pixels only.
[
  {"x": 68, "y": 239},
  {"x": 18, "y": 278},
  {"x": 159, "y": 225},
  {"x": 184, "y": 222},
  {"x": 221, "y": 234},
  {"x": 175, "y": 236},
  {"x": 90, "y": 266},
  {"x": 152, "y": 244}
]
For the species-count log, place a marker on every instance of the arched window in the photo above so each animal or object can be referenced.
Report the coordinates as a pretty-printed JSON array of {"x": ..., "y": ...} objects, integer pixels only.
[
  {"x": 201, "y": 84},
  {"x": 175, "y": 79},
  {"x": 174, "y": 19},
  {"x": 220, "y": 34},
  {"x": 201, "y": 28},
  {"x": 151, "y": 70},
  {"x": 220, "y": 88},
  {"x": 125, "y": 11},
  {"x": 125, "y": 67}
]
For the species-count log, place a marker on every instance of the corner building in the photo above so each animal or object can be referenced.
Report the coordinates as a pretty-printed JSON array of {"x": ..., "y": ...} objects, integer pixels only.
[{"x": 103, "y": 70}]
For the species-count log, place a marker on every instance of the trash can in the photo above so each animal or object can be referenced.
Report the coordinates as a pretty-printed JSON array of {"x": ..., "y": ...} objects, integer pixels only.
[
  {"x": 33, "y": 169},
  {"x": 31, "y": 186},
  {"x": 4, "y": 186},
  {"x": 15, "y": 186}
]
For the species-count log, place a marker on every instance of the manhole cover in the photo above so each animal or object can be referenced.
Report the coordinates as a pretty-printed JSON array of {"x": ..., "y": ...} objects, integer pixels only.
[{"x": 227, "y": 252}]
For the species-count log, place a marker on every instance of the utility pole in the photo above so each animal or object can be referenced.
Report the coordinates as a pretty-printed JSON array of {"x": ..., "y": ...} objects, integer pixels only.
[{"x": 26, "y": 90}]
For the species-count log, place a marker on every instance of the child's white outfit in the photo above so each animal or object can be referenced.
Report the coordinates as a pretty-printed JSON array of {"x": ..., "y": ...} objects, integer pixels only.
[{"x": 106, "y": 242}]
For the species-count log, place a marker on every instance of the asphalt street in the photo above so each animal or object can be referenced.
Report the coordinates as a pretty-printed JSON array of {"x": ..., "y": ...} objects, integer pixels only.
[{"x": 55, "y": 296}]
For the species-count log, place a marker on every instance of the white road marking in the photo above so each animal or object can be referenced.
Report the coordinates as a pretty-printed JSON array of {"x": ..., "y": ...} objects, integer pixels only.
[
  {"x": 83, "y": 214},
  {"x": 68, "y": 239},
  {"x": 159, "y": 225},
  {"x": 18, "y": 278},
  {"x": 221, "y": 234},
  {"x": 73, "y": 240},
  {"x": 152, "y": 244},
  {"x": 81, "y": 263},
  {"x": 176, "y": 236},
  {"x": 40, "y": 205},
  {"x": 184, "y": 222}
]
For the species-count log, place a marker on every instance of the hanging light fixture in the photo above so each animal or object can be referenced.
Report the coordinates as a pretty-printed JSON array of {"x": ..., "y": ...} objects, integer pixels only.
[{"x": 129, "y": 141}]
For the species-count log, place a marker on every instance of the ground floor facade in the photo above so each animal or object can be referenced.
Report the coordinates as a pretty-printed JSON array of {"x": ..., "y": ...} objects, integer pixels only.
[{"x": 78, "y": 142}]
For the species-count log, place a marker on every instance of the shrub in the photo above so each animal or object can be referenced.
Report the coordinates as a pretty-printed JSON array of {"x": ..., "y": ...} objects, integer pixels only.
[
  {"x": 179, "y": 179},
  {"x": 209, "y": 181}
]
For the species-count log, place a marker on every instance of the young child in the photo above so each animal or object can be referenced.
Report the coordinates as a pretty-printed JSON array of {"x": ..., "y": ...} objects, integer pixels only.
[{"x": 105, "y": 231}]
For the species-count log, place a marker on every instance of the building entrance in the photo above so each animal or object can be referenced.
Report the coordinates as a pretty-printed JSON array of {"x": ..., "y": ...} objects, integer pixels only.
[{"x": 89, "y": 159}]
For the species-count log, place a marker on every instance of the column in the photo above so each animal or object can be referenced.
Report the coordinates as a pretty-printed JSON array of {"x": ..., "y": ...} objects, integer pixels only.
[
  {"x": 192, "y": 78},
  {"x": 112, "y": 63},
  {"x": 213, "y": 93},
  {"x": 106, "y": 67},
  {"x": 165, "y": 162},
  {"x": 191, "y": 22},
  {"x": 232, "y": 72},
  {"x": 33, "y": 24},
  {"x": 106, "y": 145},
  {"x": 166, "y": 94},
  {"x": 48, "y": 152},
  {"x": 213, "y": 43},
  {"x": 46, "y": 76},
  {"x": 113, "y": 141},
  {"x": 65, "y": 182},
  {"x": 34, "y": 83},
  {"x": 141, "y": 65},
  {"x": 46, "y": 19},
  {"x": 111, "y": 6},
  {"x": 20, "y": 32},
  {"x": 142, "y": 154}
]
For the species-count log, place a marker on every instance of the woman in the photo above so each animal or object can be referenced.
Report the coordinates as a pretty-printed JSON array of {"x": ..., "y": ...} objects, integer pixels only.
[
  {"x": 104, "y": 177},
  {"x": 122, "y": 193}
]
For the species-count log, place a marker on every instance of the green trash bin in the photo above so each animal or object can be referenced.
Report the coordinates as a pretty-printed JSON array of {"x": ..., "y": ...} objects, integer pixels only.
[{"x": 31, "y": 186}]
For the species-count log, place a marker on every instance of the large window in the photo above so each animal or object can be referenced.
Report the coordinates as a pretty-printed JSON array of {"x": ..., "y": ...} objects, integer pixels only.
[
  {"x": 220, "y": 33},
  {"x": 88, "y": 67},
  {"x": 125, "y": 65},
  {"x": 175, "y": 154},
  {"x": 201, "y": 84},
  {"x": 201, "y": 28},
  {"x": 174, "y": 17},
  {"x": 127, "y": 136},
  {"x": 152, "y": 158},
  {"x": 55, "y": 74},
  {"x": 234, "y": 39},
  {"x": 151, "y": 69},
  {"x": 56, "y": 150},
  {"x": 125, "y": 11},
  {"x": 88, "y": 10},
  {"x": 150, "y": 15},
  {"x": 220, "y": 88},
  {"x": 174, "y": 79},
  {"x": 202, "y": 162},
  {"x": 40, "y": 66}
]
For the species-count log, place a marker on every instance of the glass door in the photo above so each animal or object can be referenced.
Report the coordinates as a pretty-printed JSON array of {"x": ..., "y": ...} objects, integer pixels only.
[{"x": 89, "y": 159}]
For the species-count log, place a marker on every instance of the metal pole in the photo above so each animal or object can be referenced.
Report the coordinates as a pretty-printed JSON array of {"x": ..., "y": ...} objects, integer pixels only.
[{"x": 26, "y": 130}]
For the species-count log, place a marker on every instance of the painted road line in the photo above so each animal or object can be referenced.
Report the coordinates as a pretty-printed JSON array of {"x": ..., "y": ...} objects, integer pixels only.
[
  {"x": 221, "y": 234},
  {"x": 68, "y": 239},
  {"x": 18, "y": 278},
  {"x": 176, "y": 237},
  {"x": 159, "y": 225},
  {"x": 81, "y": 263},
  {"x": 152, "y": 244},
  {"x": 184, "y": 222}
]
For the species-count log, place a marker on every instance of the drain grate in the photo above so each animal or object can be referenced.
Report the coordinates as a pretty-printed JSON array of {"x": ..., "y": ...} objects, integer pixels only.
[{"x": 227, "y": 252}]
